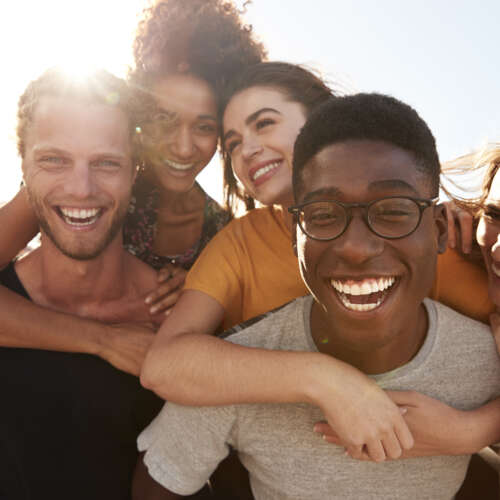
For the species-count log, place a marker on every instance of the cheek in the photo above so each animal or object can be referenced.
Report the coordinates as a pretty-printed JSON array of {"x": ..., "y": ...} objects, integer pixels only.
[{"x": 207, "y": 146}]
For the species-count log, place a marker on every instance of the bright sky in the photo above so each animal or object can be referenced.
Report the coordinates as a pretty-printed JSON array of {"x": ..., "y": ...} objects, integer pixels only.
[{"x": 440, "y": 56}]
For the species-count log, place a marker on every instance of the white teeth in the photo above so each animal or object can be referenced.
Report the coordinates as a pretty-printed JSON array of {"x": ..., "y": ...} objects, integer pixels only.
[
  {"x": 364, "y": 287},
  {"x": 265, "y": 169},
  {"x": 178, "y": 166},
  {"x": 87, "y": 216}
]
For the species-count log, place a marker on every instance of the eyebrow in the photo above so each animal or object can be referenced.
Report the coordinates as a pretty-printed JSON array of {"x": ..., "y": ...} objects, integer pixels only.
[
  {"x": 250, "y": 119},
  {"x": 174, "y": 114},
  {"x": 373, "y": 186},
  {"x": 99, "y": 154}
]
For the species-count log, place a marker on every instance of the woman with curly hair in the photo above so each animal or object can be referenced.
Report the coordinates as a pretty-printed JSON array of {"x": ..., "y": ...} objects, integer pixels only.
[{"x": 185, "y": 51}]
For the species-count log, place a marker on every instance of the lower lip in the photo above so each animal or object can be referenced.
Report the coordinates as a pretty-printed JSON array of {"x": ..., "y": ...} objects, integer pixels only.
[{"x": 265, "y": 177}]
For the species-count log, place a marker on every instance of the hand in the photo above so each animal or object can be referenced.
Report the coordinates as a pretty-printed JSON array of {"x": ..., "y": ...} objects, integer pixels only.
[
  {"x": 495, "y": 328},
  {"x": 365, "y": 419},
  {"x": 125, "y": 345},
  {"x": 171, "y": 280},
  {"x": 460, "y": 226},
  {"x": 438, "y": 429}
]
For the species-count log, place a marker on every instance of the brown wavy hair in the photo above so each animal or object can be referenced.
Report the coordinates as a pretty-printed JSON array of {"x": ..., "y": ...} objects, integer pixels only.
[{"x": 207, "y": 38}]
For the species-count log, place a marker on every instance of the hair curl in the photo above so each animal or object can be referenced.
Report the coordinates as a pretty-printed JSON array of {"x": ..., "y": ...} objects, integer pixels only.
[
  {"x": 205, "y": 37},
  {"x": 99, "y": 87}
]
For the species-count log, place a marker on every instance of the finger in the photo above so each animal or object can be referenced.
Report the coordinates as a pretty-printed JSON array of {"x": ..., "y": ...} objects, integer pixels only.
[
  {"x": 392, "y": 446},
  {"x": 164, "y": 289},
  {"x": 166, "y": 272},
  {"x": 375, "y": 450},
  {"x": 451, "y": 225},
  {"x": 324, "y": 428},
  {"x": 465, "y": 222},
  {"x": 165, "y": 303},
  {"x": 404, "y": 436},
  {"x": 354, "y": 451},
  {"x": 495, "y": 328},
  {"x": 333, "y": 439}
]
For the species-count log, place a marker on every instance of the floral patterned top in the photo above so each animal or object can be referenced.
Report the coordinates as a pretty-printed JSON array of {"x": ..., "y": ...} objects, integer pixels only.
[{"x": 140, "y": 226}]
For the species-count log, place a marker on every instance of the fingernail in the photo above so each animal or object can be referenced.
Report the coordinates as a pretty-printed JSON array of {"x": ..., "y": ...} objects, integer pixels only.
[
  {"x": 167, "y": 312},
  {"x": 403, "y": 410},
  {"x": 148, "y": 300},
  {"x": 153, "y": 310}
]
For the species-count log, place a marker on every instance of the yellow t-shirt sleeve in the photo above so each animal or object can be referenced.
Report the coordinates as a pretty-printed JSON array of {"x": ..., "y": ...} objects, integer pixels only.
[
  {"x": 217, "y": 271},
  {"x": 462, "y": 285}
]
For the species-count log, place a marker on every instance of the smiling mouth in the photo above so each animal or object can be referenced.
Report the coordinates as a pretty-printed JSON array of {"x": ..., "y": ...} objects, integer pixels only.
[
  {"x": 363, "y": 295},
  {"x": 264, "y": 170},
  {"x": 181, "y": 167},
  {"x": 79, "y": 217}
]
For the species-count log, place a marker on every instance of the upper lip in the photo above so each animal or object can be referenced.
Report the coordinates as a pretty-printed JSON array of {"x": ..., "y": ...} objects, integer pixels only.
[{"x": 252, "y": 171}]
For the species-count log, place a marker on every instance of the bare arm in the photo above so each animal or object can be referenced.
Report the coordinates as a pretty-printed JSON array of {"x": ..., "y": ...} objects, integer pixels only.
[
  {"x": 24, "y": 324},
  {"x": 439, "y": 429},
  {"x": 189, "y": 367},
  {"x": 19, "y": 226}
]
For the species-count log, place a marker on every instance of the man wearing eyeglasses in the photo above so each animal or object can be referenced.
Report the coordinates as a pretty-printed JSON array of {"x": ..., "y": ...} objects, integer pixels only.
[{"x": 368, "y": 232}]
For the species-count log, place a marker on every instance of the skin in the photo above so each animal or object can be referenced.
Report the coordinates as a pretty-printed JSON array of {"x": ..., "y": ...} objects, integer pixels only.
[
  {"x": 435, "y": 425},
  {"x": 78, "y": 157},
  {"x": 379, "y": 340},
  {"x": 217, "y": 372},
  {"x": 260, "y": 125}
]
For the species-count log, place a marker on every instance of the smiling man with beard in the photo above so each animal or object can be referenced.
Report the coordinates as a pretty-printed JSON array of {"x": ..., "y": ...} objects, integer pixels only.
[
  {"x": 69, "y": 421},
  {"x": 368, "y": 230}
]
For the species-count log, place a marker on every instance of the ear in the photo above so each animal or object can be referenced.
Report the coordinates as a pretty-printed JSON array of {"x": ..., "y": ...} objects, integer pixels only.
[{"x": 441, "y": 227}]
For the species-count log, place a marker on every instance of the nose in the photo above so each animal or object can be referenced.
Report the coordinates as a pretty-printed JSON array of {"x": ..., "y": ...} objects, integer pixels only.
[
  {"x": 250, "y": 147},
  {"x": 358, "y": 244},
  {"x": 495, "y": 248},
  {"x": 79, "y": 182},
  {"x": 182, "y": 143}
]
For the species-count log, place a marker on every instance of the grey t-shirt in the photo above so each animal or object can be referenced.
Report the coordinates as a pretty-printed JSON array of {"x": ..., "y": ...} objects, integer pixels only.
[{"x": 458, "y": 364}]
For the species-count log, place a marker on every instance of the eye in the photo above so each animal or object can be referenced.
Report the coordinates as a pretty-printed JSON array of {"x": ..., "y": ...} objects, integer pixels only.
[
  {"x": 491, "y": 213},
  {"x": 207, "y": 128},
  {"x": 53, "y": 161},
  {"x": 264, "y": 122},
  {"x": 106, "y": 164},
  {"x": 322, "y": 215},
  {"x": 231, "y": 145}
]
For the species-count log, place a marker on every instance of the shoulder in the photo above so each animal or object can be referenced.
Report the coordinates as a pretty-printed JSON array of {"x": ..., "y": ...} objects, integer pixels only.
[
  {"x": 276, "y": 329},
  {"x": 143, "y": 277}
]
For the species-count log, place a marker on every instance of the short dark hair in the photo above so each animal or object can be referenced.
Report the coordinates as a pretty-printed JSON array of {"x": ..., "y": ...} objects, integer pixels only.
[
  {"x": 374, "y": 117},
  {"x": 297, "y": 83},
  {"x": 99, "y": 87}
]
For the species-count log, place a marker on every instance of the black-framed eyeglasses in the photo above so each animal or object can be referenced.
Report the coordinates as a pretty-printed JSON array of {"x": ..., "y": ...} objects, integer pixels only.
[{"x": 392, "y": 217}]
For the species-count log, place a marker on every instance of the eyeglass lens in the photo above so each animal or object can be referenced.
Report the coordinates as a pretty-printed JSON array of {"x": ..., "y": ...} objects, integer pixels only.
[{"x": 389, "y": 217}]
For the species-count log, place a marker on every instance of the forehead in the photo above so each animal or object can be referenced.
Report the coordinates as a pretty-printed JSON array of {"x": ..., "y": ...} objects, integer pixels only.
[
  {"x": 250, "y": 100},
  {"x": 363, "y": 169},
  {"x": 75, "y": 126},
  {"x": 185, "y": 95}
]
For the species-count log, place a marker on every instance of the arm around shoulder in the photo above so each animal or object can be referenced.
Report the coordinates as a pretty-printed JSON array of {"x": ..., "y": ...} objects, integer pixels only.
[{"x": 19, "y": 225}]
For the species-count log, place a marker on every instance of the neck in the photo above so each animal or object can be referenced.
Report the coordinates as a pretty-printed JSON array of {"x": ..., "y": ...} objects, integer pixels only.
[
  {"x": 71, "y": 284},
  {"x": 175, "y": 202},
  {"x": 371, "y": 348}
]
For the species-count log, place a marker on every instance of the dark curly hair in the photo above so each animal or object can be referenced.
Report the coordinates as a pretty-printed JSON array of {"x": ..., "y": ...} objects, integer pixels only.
[
  {"x": 99, "y": 87},
  {"x": 297, "y": 83},
  {"x": 372, "y": 117},
  {"x": 205, "y": 37}
]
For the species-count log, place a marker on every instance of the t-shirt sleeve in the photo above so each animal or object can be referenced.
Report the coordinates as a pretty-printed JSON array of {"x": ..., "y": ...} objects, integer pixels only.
[
  {"x": 218, "y": 270},
  {"x": 184, "y": 445}
]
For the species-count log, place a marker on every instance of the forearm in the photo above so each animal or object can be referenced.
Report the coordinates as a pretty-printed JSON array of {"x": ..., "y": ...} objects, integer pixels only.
[
  {"x": 19, "y": 226},
  {"x": 24, "y": 324},
  {"x": 482, "y": 427}
]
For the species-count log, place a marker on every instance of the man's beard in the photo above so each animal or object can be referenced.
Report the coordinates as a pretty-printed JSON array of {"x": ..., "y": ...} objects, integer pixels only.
[{"x": 79, "y": 252}]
